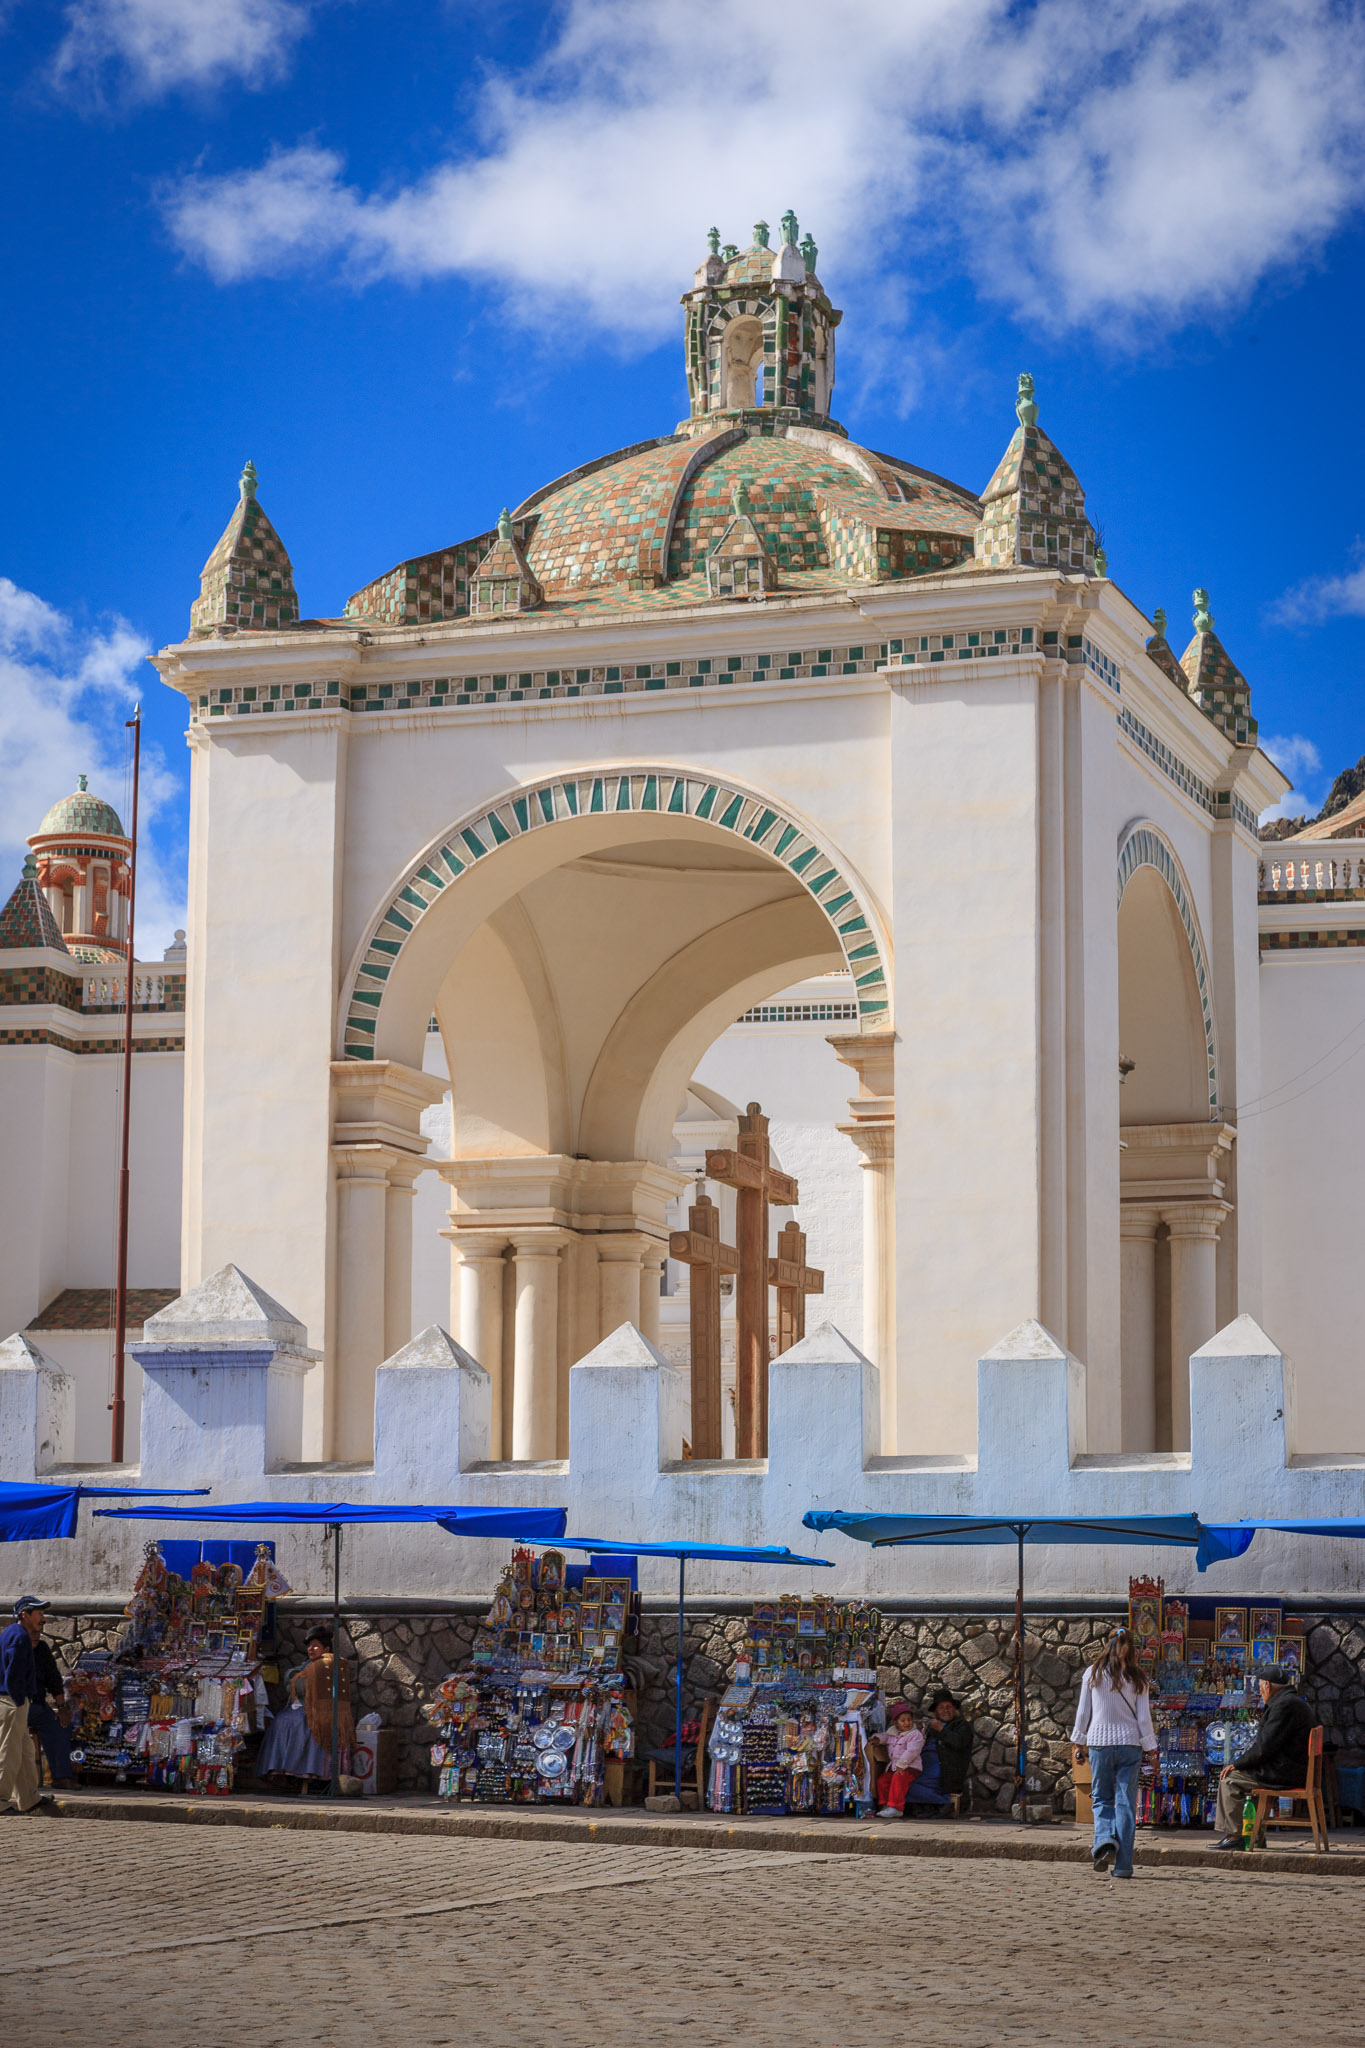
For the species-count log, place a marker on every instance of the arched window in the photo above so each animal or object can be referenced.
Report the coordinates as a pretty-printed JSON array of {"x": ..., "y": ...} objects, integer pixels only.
[{"x": 742, "y": 357}]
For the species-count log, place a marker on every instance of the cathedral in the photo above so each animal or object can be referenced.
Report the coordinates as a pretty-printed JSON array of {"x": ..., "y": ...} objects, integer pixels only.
[{"x": 744, "y": 765}]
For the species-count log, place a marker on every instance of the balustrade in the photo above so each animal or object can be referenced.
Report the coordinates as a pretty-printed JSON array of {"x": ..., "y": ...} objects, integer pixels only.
[
  {"x": 107, "y": 991},
  {"x": 1331, "y": 868}
]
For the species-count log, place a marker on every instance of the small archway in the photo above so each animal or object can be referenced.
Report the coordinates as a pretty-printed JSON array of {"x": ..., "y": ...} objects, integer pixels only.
[{"x": 742, "y": 363}]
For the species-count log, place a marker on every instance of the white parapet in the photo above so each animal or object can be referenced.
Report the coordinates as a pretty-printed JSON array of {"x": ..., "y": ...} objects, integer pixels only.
[{"x": 224, "y": 1366}]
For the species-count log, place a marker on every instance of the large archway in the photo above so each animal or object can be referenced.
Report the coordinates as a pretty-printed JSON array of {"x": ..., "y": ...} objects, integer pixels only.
[
  {"x": 1174, "y": 1143},
  {"x": 579, "y": 945}
]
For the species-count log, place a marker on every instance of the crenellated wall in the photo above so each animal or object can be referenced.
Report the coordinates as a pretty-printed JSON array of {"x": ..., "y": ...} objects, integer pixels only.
[{"x": 223, "y": 1367}]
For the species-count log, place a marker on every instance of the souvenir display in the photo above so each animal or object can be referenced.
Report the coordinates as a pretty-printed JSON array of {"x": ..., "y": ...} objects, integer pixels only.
[
  {"x": 1205, "y": 1702},
  {"x": 790, "y": 1735},
  {"x": 545, "y": 1701},
  {"x": 171, "y": 1705}
]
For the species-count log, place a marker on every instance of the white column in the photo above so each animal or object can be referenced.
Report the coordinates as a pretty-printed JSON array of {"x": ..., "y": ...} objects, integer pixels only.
[
  {"x": 362, "y": 1228},
  {"x": 398, "y": 1257},
  {"x": 1138, "y": 1226},
  {"x": 1194, "y": 1230},
  {"x": 478, "y": 1267},
  {"x": 535, "y": 1363},
  {"x": 651, "y": 1272},
  {"x": 619, "y": 1255},
  {"x": 873, "y": 1130}
]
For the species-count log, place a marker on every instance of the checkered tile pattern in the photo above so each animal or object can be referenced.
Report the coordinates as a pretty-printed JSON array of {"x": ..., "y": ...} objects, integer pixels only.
[
  {"x": 247, "y": 582},
  {"x": 1219, "y": 687},
  {"x": 1034, "y": 510}
]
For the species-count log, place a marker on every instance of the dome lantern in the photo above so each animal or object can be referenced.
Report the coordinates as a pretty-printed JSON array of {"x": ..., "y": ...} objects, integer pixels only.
[{"x": 759, "y": 334}]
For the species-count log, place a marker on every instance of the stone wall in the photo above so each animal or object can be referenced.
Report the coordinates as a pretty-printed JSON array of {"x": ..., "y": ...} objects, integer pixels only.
[{"x": 399, "y": 1659}]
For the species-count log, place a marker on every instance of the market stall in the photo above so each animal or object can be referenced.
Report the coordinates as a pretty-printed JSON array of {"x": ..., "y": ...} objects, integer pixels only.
[{"x": 545, "y": 1701}]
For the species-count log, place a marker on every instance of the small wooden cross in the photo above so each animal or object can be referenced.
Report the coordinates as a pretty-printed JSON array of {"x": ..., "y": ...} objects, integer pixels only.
[
  {"x": 794, "y": 1280},
  {"x": 699, "y": 1247},
  {"x": 748, "y": 1169}
]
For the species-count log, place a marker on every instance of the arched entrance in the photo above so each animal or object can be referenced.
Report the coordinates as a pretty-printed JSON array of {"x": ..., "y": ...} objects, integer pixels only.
[
  {"x": 579, "y": 945},
  {"x": 1175, "y": 1145}
]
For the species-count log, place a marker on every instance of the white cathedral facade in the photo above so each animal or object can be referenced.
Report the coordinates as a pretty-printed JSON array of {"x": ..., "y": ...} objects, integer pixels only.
[{"x": 745, "y": 763}]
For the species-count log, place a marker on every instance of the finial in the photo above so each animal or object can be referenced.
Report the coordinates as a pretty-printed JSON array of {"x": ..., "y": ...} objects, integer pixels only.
[
  {"x": 739, "y": 499},
  {"x": 30, "y": 868},
  {"x": 1024, "y": 404},
  {"x": 730, "y": 251},
  {"x": 247, "y": 484},
  {"x": 1101, "y": 562},
  {"x": 1203, "y": 617},
  {"x": 810, "y": 252},
  {"x": 82, "y": 782},
  {"x": 713, "y": 240},
  {"x": 504, "y": 524},
  {"x": 761, "y": 233},
  {"x": 1159, "y": 622},
  {"x": 789, "y": 229}
]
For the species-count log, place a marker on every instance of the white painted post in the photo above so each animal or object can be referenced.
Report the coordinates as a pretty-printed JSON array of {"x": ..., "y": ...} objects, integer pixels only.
[
  {"x": 37, "y": 1410},
  {"x": 432, "y": 1417}
]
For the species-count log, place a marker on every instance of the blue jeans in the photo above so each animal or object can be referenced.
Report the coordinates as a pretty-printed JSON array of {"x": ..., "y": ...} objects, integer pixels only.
[{"x": 1113, "y": 1794}]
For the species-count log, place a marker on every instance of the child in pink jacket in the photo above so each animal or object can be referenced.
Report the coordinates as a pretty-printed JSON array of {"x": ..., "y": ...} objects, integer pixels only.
[{"x": 904, "y": 1747}]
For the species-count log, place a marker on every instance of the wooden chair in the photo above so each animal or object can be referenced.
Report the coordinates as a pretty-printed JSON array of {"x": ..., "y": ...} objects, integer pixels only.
[
  {"x": 1309, "y": 1794},
  {"x": 661, "y": 1761}
]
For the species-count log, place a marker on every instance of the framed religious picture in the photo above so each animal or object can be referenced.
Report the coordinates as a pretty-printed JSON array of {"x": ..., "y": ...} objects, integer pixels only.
[
  {"x": 1197, "y": 1652},
  {"x": 1230, "y": 1624},
  {"x": 1289, "y": 1650},
  {"x": 1262, "y": 1652},
  {"x": 1144, "y": 1610},
  {"x": 1263, "y": 1621}
]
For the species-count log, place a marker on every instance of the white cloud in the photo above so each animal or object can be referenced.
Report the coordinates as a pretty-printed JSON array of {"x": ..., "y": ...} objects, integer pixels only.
[
  {"x": 1129, "y": 167},
  {"x": 64, "y": 695},
  {"x": 1295, "y": 755},
  {"x": 148, "y": 48},
  {"x": 1324, "y": 597}
]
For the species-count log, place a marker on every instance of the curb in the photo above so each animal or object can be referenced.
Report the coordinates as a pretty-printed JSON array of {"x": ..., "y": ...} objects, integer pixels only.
[{"x": 672, "y": 1833}]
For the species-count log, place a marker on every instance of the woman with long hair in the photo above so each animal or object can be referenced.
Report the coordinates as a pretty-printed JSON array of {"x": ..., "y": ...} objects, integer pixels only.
[
  {"x": 1114, "y": 1728},
  {"x": 298, "y": 1742}
]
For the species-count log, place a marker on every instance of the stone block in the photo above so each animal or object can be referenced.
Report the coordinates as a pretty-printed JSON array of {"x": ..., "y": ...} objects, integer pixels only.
[
  {"x": 37, "y": 1411},
  {"x": 433, "y": 1410}
]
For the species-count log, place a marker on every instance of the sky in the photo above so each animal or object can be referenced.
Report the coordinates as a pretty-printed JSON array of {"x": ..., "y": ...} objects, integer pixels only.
[{"x": 416, "y": 257}]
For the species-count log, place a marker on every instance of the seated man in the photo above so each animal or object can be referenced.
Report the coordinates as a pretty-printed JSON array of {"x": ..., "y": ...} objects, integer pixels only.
[
  {"x": 1276, "y": 1759},
  {"x": 953, "y": 1736}
]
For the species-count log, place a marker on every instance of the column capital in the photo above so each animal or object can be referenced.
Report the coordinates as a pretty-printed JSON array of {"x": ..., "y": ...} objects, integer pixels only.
[
  {"x": 367, "y": 1160},
  {"x": 477, "y": 1244},
  {"x": 621, "y": 1245},
  {"x": 540, "y": 1241},
  {"x": 875, "y": 1138},
  {"x": 1139, "y": 1220},
  {"x": 871, "y": 1054},
  {"x": 1196, "y": 1219}
]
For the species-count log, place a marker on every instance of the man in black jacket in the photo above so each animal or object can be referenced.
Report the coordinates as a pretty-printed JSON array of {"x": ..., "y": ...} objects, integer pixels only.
[{"x": 1277, "y": 1759}]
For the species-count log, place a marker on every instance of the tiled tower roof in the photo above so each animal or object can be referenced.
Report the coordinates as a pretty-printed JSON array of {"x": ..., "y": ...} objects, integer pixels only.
[
  {"x": 1159, "y": 651},
  {"x": 247, "y": 582},
  {"x": 502, "y": 582},
  {"x": 1215, "y": 682},
  {"x": 82, "y": 813},
  {"x": 1033, "y": 507},
  {"x": 26, "y": 919}
]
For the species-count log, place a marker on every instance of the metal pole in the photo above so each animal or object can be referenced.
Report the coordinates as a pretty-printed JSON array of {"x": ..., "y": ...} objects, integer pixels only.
[
  {"x": 1022, "y": 1759},
  {"x": 678, "y": 1691},
  {"x": 117, "y": 1405},
  {"x": 336, "y": 1658}
]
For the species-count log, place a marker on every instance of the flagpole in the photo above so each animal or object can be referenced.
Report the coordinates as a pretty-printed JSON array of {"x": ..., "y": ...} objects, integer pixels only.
[{"x": 117, "y": 1405}]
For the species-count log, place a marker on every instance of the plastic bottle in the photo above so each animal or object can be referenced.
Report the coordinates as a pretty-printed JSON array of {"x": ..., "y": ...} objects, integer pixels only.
[{"x": 1248, "y": 1821}]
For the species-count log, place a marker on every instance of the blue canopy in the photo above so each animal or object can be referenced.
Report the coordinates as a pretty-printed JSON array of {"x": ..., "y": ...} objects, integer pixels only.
[
  {"x": 1211, "y": 1544},
  {"x": 1333, "y": 1525},
  {"x": 523, "y": 1525},
  {"x": 738, "y": 1553},
  {"x": 29, "y": 1510}
]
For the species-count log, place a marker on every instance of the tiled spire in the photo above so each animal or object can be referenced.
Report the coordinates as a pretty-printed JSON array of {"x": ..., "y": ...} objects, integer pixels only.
[
  {"x": 1215, "y": 682},
  {"x": 1159, "y": 651},
  {"x": 1033, "y": 508},
  {"x": 248, "y": 580},
  {"x": 26, "y": 919},
  {"x": 503, "y": 581},
  {"x": 739, "y": 564}
]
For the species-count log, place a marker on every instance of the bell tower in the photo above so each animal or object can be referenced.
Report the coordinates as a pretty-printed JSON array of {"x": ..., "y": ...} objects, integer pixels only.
[{"x": 760, "y": 335}]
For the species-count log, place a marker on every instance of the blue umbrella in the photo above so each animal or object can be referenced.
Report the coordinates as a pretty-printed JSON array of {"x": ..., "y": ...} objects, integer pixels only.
[
  {"x": 523, "y": 1525},
  {"x": 28, "y": 1511},
  {"x": 1210, "y": 1543},
  {"x": 720, "y": 1552}
]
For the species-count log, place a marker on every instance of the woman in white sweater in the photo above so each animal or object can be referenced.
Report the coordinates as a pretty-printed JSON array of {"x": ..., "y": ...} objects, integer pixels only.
[{"x": 1114, "y": 1728}]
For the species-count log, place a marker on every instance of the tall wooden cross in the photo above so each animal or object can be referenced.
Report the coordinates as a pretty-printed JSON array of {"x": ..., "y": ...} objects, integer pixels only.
[
  {"x": 794, "y": 1280},
  {"x": 699, "y": 1247},
  {"x": 757, "y": 1183}
]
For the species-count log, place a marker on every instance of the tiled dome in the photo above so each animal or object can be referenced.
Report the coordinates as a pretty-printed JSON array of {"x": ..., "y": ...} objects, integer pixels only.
[{"x": 81, "y": 812}]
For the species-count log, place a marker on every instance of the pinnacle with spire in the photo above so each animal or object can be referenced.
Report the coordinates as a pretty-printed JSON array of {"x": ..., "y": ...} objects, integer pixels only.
[
  {"x": 247, "y": 583},
  {"x": 503, "y": 581},
  {"x": 1033, "y": 512},
  {"x": 1159, "y": 651},
  {"x": 27, "y": 920},
  {"x": 1213, "y": 679}
]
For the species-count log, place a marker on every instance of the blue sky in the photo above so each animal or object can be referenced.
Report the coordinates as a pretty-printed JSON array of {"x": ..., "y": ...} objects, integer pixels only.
[{"x": 415, "y": 259}]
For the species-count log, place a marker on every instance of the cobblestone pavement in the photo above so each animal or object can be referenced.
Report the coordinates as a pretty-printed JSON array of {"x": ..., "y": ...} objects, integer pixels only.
[{"x": 122, "y": 1935}]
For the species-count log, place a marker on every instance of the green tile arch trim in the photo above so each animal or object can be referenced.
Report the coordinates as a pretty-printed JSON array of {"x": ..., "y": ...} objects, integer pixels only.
[
  {"x": 726, "y": 806},
  {"x": 1144, "y": 846}
]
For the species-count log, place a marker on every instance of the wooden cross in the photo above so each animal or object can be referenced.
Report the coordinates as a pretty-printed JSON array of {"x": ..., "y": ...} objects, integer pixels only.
[
  {"x": 749, "y": 1171},
  {"x": 699, "y": 1247},
  {"x": 794, "y": 1280}
]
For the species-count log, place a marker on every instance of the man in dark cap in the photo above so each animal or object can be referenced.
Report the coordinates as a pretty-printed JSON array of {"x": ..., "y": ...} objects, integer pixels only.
[
  {"x": 19, "y": 1685},
  {"x": 953, "y": 1735},
  {"x": 1277, "y": 1759}
]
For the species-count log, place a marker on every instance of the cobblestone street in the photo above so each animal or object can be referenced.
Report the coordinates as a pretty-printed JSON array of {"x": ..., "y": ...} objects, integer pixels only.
[{"x": 146, "y": 1936}]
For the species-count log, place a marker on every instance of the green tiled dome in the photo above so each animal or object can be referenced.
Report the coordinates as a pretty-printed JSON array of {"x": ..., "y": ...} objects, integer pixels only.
[{"x": 81, "y": 812}]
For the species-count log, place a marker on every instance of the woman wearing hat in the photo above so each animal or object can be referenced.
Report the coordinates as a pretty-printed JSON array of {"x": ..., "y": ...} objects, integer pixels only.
[
  {"x": 1114, "y": 1728},
  {"x": 298, "y": 1742}
]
